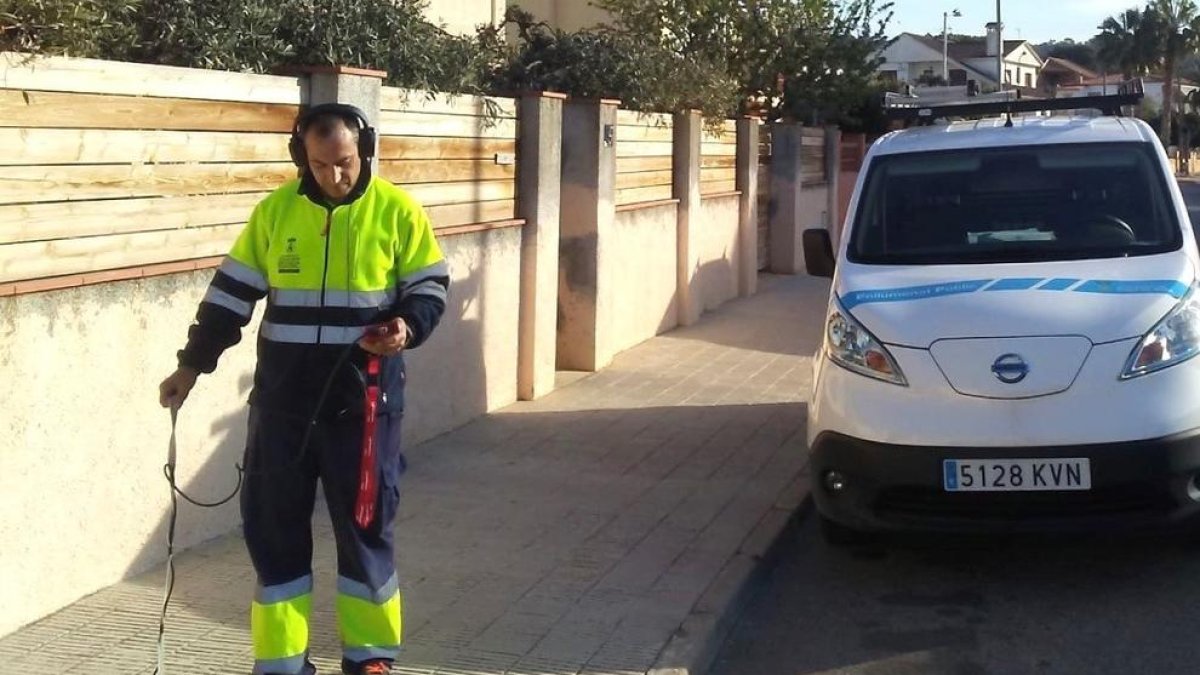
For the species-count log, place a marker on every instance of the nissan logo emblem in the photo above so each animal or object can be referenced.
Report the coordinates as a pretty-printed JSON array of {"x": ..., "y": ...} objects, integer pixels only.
[{"x": 1010, "y": 368}]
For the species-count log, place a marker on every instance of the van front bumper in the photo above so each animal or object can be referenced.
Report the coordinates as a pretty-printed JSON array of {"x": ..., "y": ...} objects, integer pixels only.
[{"x": 1137, "y": 486}]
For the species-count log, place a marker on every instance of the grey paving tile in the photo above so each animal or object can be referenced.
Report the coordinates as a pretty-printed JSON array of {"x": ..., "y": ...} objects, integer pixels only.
[{"x": 563, "y": 536}]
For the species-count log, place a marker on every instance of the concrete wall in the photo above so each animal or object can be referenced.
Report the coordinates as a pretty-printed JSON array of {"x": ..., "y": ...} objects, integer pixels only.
[
  {"x": 85, "y": 440},
  {"x": 81, "y": 460},
  {"x": 469, "y": 366},
  {"x": 638, "y": 284},
  {"x": 718, "y": 273}
]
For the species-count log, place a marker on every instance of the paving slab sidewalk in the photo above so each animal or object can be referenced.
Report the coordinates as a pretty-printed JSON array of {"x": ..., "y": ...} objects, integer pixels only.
[{"x": 609, "y": 528}]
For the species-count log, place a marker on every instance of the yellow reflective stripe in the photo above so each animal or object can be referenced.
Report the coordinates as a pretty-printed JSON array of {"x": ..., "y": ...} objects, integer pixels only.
[
  {"x": 280, "y": 629},
  {"x": 363, "y": 623},
  {"x": 294, "y": 297},
  {"x": 429, "y": 287},
  {"x": 286, "y": 591},
  {"x": 239, "y": 271},
  {"x": 238, "y": 306},
  {"x": 438, "y": 269},
  {"x": 357, "y": 589},
  {"x": 307, "y": 335}
]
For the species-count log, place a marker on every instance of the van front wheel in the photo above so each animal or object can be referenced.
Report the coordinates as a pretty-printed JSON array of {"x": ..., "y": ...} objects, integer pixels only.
[{"x": 837, "y": 534}]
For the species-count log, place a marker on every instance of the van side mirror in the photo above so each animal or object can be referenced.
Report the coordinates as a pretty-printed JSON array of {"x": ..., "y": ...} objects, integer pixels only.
[{"x": 818, "y": 253}]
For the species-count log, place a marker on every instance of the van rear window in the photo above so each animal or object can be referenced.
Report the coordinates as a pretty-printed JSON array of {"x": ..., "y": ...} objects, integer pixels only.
[{"x": 1018, "y": 204}]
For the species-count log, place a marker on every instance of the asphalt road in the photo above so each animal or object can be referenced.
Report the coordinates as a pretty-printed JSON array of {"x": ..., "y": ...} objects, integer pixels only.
[{"x": 1043, "y": 606}]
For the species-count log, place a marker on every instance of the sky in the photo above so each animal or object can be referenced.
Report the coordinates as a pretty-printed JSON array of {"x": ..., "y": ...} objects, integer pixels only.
[{"x": 1034, "y": 20}]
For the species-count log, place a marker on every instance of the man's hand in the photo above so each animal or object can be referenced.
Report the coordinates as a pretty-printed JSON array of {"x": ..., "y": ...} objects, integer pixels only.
[
  {"x": 175, "y": 389},
  {"x": 390, "y": 344}
]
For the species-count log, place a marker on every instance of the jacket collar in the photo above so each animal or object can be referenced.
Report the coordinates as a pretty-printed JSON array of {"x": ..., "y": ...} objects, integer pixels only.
[{"x": 310, "y": 189}]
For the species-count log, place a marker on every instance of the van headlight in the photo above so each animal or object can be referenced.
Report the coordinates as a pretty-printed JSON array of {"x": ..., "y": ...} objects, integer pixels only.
[
  {"x": 851, "y": 346},
  {"x": 1174, "y": 340}
]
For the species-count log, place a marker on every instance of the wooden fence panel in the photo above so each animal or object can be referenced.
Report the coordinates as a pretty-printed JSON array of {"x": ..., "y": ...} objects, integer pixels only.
[
  {"x": 718, "y": 152},
  {"x": 812, "y": 158},
  {"x": 118, "y": 165},
  {"x": 645, "y": 157},
  {"x": 456, "y": 155}
]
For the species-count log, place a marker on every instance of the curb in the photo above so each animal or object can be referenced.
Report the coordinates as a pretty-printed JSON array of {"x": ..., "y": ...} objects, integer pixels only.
[{"x": 694, "y": 647}]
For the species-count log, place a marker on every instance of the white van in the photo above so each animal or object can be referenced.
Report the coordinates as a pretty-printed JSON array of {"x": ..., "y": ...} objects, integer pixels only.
[{"x": 1010, "y": 334}]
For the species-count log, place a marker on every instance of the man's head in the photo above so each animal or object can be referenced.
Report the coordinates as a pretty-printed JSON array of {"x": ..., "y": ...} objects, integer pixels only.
[{"x": 331, "y": 150}]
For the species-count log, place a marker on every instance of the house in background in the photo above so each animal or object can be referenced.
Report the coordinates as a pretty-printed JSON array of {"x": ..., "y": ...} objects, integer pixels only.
[
  {"x": 464, "y": 16},
  {"x": 913, "y": 59},
  {"x": 1059, "y": 73},
  {"x": 568, "y": 15},
  {"x": 1153, "y": 86}
]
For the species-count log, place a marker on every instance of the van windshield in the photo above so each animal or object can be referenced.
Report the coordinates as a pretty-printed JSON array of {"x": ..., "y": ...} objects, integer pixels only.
[{"x": 1016, "y": 204}]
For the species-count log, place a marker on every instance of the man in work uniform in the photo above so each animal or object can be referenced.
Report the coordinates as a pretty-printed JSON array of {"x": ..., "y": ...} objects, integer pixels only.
[{"x": 338, "y": 254}]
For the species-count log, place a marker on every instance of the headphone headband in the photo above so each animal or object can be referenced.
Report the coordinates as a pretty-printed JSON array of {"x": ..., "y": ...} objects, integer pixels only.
[
  {"x": 366, "y": 133},
  {"x": 343, "y": 110}
]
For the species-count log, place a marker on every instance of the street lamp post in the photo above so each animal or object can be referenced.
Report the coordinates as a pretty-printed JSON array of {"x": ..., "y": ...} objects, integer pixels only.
[
  {"x": 1000, "y": 47},
  {"x": 946, "y": 43}
]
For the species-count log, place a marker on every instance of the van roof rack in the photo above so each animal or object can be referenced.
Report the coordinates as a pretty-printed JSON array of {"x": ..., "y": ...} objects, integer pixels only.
[{"x": 909, "y": 109}]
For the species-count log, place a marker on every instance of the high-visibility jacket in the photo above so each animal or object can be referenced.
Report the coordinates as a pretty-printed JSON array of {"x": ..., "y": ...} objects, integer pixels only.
[{"x": 328, "y": 273}]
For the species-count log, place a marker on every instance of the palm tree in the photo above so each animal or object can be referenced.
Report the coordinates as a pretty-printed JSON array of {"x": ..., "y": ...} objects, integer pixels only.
[
  {"x": 1178, "y": 24},
  {"x": 1127, "y": 42}
]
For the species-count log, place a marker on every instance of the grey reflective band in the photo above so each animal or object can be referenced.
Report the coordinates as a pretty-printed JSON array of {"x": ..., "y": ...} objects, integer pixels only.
[
  {"x": 360, "y": 654},
  {"x": 428, "y": 287},
  {"x": 267, "y": 595},
  {"x": 292, "y": 665},
  {"x": 243, "y": 273},
  {"x": 238, "y": 306},
  {"x": 330, "y": 335},
  {"x": 357, "y": 589},
  {"x": 290, "y": 297},
  {"x": 438, "y": 269}
]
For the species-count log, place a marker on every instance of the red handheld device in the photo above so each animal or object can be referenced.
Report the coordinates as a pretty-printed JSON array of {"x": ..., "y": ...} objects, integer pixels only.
[{"x": 368, "y": 477}]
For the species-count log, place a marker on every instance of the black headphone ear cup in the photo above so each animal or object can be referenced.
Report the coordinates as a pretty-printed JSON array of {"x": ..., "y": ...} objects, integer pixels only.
[
  {"x": 366, "y": 143},
  {"x": 296, "y": 151}
]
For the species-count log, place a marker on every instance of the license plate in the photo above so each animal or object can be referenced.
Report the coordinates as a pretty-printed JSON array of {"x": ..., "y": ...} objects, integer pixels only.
[{"x": 1016, "y": 475}]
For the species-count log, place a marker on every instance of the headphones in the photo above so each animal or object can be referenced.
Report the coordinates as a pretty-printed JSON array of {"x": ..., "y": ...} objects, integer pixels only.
[{"x": 366, "y": 133}]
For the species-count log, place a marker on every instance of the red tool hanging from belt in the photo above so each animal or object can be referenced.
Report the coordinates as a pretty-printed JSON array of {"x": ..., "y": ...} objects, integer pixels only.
[{"x": 368, "y": 476}]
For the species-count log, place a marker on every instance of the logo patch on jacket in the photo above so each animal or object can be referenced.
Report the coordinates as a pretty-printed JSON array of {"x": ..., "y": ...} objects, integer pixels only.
[{"x": 289, "y": 262}]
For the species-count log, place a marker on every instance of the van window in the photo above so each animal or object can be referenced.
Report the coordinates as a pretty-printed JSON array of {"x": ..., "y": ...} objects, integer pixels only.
[{"x": 1018, "y": 204}]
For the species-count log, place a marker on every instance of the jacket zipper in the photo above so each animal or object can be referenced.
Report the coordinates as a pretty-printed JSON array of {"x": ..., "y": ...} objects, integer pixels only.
[{"x": 325, "y": 269}]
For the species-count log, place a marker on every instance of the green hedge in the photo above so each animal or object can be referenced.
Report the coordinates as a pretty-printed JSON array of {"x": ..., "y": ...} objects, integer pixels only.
[
  {"x": 250, "y": 36},
  {"x": 724, "y": 67}
]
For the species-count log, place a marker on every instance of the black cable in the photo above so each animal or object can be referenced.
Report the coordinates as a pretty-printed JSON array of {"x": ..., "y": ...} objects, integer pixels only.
[
  {"x": 169, "y": 472},
  {"x": 169, "y": 469}
]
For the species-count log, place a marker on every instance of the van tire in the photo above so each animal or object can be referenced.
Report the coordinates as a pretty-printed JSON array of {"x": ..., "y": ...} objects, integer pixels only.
[{"x": 837, "y": 534}]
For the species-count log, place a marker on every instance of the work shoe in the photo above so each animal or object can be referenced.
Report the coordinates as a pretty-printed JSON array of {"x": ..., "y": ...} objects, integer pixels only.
[
  {"x": 371, "y": 667},
  {"x": 376, "y": 667}
]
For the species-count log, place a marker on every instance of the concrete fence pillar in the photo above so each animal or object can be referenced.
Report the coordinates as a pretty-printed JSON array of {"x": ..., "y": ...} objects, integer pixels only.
[
  {"x": 785, "y": 255},
  {"x": 588, "y": 213},
  {"x": 796, "y": 206},
  {"x": 833, "y": 178},
  {"x": 747, "y": 184},
  {"x": 539, "y": 183},
  {"x": 686, "y": 169}
]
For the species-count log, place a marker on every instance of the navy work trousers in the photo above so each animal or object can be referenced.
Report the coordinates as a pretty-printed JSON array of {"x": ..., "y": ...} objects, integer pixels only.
[{"x": 277, "y": 504}]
